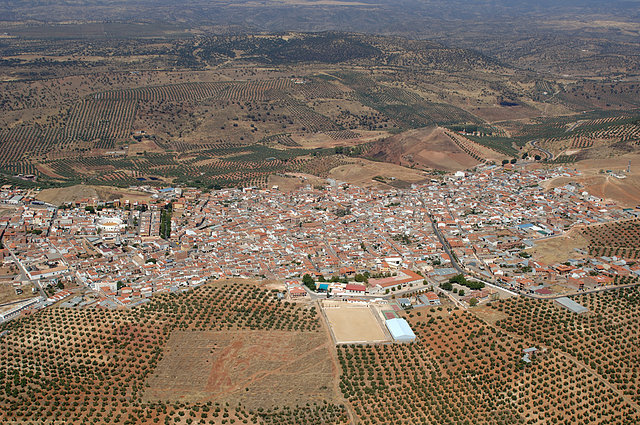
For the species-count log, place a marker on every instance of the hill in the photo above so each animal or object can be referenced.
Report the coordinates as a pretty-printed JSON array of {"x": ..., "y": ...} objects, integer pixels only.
[{"x": 422, "y": 148}]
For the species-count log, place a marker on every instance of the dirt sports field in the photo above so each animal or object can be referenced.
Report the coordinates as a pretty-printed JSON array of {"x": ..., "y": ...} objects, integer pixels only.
[
  {"x": 353, "y": 323},
  {"x": 259, "y": 369}
]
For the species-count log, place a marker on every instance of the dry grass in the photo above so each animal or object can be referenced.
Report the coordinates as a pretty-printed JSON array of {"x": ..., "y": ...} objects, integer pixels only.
[
  {"x": 59, "y": 196},
  {"x": 260, "y": 369},
  {"x": 8, "y": 291},
  {"x": 625, "y": 191},
  {"x": 361, "y": 173},
  {"x": 560, "y": 248}
]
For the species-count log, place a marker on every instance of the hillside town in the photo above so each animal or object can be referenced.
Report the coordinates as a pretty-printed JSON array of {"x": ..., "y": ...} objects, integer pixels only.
[{"x": 467, "y": 236}]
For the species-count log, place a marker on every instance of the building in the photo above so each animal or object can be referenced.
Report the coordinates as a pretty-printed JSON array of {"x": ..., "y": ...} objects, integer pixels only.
[
  {"x": 571, "y": 305},
  {"x": 295, "y": 290},
  {"x": 430, "y": 298},
  {"x": 400, "y": 330},
  {"x": 16, "y": 309},
  {"x": 403, "y": 279},
  {"x": 354, "y": 288}
]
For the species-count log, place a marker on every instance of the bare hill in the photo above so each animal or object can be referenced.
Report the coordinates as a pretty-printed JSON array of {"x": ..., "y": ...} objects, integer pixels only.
[{"x": 422, "y": 148}]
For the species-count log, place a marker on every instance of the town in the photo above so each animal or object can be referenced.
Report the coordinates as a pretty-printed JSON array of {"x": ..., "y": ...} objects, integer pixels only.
[{"x": 466, "y": 237}]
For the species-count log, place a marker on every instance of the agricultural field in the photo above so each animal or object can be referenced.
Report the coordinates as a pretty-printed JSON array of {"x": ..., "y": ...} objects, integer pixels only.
[
  {"x": 102, "y": 118},
  {"x": 603, "y": 341},
  {"x": 462, "y": 370},
  {"x": 567, "y": 135},
  {"x": 107, "y": 364},
  {"x": 614, "y": 239}
]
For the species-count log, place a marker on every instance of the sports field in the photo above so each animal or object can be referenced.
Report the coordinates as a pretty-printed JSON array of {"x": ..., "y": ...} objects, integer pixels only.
[{"x": 353, "y": 323}]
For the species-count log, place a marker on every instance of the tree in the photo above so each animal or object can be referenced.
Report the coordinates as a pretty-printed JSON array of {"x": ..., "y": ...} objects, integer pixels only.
[
  {"x": 505, "y": 162},
  {"x": 473, "y": 302},
  {"x": 308, "y": 281},
  {"x": 461, "y": 292},
  {"x": 514, "y": 160},
  {"x": 447, "y": 286}
]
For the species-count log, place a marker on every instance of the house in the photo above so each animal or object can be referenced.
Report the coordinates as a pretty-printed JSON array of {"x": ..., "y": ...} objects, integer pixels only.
[
  {"x": 347, "y": 272},
  {"x": 430, "y": 298},
  {"x": 528, "y": 354},
  {"x": 297, "y": 292}
]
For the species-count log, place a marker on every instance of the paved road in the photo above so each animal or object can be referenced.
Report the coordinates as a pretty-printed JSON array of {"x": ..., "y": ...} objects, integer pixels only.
[
  {"x": 53, "y": 219},
  {"x": 445, "y": 245},
  {"x": 546, "y": 152},
  {"x": 26, "y": 275}
]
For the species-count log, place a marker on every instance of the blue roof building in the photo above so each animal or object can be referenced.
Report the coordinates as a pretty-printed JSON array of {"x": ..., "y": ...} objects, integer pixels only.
[{"x": 400, "y": 330}]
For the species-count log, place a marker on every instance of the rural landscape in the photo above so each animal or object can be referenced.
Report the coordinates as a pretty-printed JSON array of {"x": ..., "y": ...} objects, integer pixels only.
[{"x": 319, "y": 212}]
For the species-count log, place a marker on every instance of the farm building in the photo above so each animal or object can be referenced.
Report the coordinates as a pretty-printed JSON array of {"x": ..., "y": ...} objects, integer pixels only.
[
  {"x": 400, "y": 330},
  {"x": 572, "y": 305}
]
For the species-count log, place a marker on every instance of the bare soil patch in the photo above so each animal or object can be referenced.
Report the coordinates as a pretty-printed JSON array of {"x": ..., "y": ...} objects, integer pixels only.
[
  {"x": 423, "y": 148},
  {"x": 353, "y": 323},
  {"x": 59, "y": 196},
  {"x": 8, "y": 292},
  {"x": 596, "y": 180},
  {"x": 293, "y": 181},
  {"x": 260, "y": 369},
  {"x": 143, "y": 146},
  {"x": 361, "y": 173},
  {"x": 559, "y": 249}
]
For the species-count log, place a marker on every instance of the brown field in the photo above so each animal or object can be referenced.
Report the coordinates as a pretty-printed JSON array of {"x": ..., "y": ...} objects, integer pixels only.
[
  {"x": 361, "y": 172},
  {"x": 143, "y": 146},
  {"x": 559, "y": 249},
  {"x": 321, "y": 140},
  {"x": 423, "y": 148},
  {"x": 353, "y": 324},
  {"x": 8, "y": 292},
  {"x": 59, "y": 196},
  {"x": 260, "y": 369},
  {"x": 625, "y": 191},
  {"x": 500, "y": 113},
  {"x": 293, "y": 181}
]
